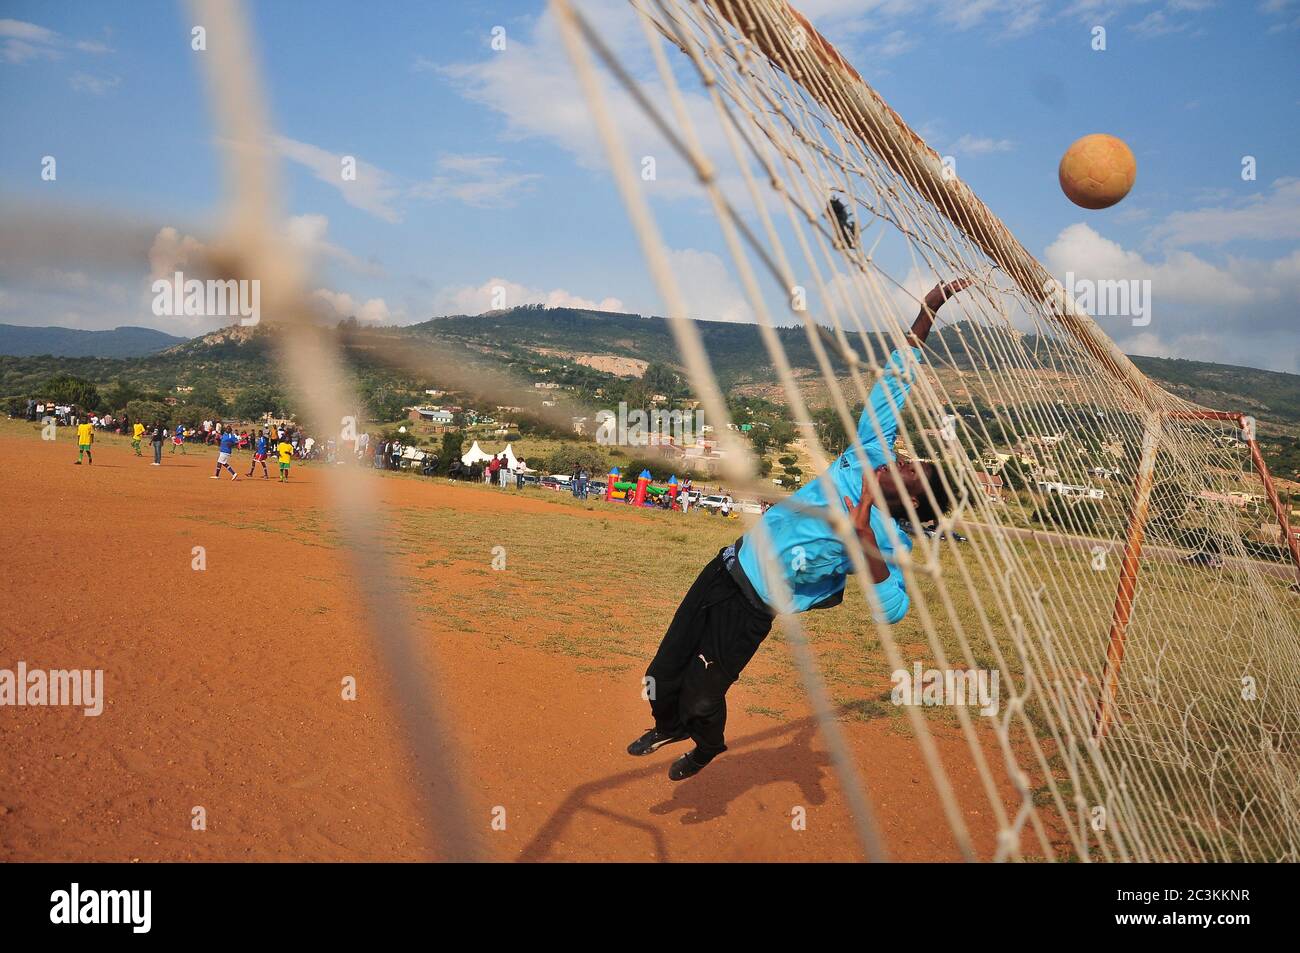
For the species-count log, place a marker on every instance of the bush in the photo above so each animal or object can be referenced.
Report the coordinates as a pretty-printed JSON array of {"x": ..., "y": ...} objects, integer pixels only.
[
  {"x": 253, "y": 402},
  {"x": 788, "y": 461},
  {"x": 453, "y": 443},
  {"x": 564, "y": 458},
  {"x": 149, "y": 412},
  {"x": 205, "y": 394},
  {"x": 68, "y": 389}
]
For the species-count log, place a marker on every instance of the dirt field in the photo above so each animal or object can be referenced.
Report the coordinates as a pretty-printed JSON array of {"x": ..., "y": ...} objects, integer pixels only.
[{"x": 223, "y": 686}]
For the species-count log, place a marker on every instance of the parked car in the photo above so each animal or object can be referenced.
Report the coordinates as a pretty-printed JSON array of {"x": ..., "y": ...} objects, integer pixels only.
[
  {"x": 1202, "y": 558},
  {"x": 907, "y": 527},
  {"x": 749, "y": 506},
  {"x": 549, "y": 483},
  {"x": 713, "y": 503},
  {"x": 596, "y": 488},
  {"x": 528, "y": 479}
]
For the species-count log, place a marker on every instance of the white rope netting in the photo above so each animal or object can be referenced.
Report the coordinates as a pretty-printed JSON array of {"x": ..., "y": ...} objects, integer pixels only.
[{"x": 1151, "y": 703}]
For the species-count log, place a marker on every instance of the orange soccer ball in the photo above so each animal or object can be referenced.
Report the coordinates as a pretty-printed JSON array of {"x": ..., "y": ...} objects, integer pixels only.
[{"x": 1097, "y": 171}]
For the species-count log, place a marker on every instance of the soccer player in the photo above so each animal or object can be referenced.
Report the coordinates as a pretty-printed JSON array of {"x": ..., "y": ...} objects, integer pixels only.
[
  {"x": 285, "y": 451},
  {"x": 729, "y": 610},
  {"x": 227, "y": 445},
  {"x": 157, "y": 436},
  {"x": 178, "y": 439},
  {"x": 259, "y": 456},
  {"x": 85, "y": 437},
  {"x": 137, "y": 435}
]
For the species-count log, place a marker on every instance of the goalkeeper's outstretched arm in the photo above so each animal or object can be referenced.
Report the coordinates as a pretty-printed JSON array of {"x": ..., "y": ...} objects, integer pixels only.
[{"x": 930, "y": 307}]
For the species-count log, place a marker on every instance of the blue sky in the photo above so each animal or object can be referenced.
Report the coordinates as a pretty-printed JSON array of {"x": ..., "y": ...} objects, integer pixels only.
[{"x": 479, "y": 168}]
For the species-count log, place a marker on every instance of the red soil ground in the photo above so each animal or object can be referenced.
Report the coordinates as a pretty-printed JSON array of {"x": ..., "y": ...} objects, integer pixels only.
[{"x": 209, "y": 703}]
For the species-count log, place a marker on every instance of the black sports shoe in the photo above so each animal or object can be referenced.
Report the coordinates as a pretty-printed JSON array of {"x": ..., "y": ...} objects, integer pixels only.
[
  {"x": 654, "y": 739},
  {"x": 685, "y": 767}
]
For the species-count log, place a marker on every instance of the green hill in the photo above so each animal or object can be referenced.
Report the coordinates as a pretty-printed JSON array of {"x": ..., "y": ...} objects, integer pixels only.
[
  {"x": 20, "y": 341},
  {"x": 488, "y": 355}
]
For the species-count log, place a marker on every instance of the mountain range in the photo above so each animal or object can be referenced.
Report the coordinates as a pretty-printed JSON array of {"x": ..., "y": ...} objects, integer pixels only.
[
  {"x": 19, "y": 341},
  {"x": 510, "y": 348}
]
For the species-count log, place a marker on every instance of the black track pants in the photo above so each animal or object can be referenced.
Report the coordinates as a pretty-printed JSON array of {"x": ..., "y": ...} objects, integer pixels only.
[{"x": 714, "y": 634}]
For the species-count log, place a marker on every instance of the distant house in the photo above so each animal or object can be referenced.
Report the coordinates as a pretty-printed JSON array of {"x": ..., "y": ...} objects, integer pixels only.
[
  {"x": 1072, "y": 490},
  {"x": 991, "y": 484},
  {"x": 441, "y": 418}
]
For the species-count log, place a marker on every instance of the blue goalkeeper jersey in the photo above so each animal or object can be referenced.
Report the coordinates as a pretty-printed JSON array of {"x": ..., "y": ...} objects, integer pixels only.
[{"x": 811, "y": 557}]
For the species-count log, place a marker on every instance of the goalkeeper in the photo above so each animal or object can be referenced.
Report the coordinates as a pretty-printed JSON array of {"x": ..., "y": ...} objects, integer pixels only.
[{"x": 729, "y": 610}]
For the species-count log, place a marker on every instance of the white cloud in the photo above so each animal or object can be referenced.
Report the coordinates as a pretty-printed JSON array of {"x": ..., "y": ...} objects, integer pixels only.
[
  {"x": 373, "y": 189},
  {"x": 94, "y": 85},
  {"x": 707, "y": 286},
  {"x": 172, "y": 252},
  {"x": 477, "y": 180},
  {"x": 532, "y": 86},
  {"x": 980, "y": 145},
  {"x": 19, "y": 30},
  {"x": 1272, "y": 216},
  {"x": 309, "y": 233},
  {"x": 23, "y": 41},
  {"x": 496, "y": 293},
  {"x": 1234, "y": 311},
  {"x": 338, "y": 304},
  {"x": 481, "y": 181},
  {"x": 894, "y": 43}
]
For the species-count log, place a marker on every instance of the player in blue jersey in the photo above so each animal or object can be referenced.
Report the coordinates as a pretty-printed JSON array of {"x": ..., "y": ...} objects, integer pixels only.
[
  {"x": 228, "y": 441},
  {"x": 259, "y": 456},
  {"x": 729, "y": 610}
]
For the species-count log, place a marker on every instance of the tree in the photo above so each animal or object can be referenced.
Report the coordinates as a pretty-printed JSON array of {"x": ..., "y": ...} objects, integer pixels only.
[
  {"x": 1015, "y": 476},
  {"x": 660, "y": 379},
  {"x": 257, "y": 400},
  {"x": 192, "y": 415},
  {"x": 121, "y": 393},
  {"x": 453, "y": 443},
  {"x": 563, "y": 459},
  {"x": 206, "y": 394},
  {"x": 830, "y": 430},
  {"x": 149, "y": 412},
  {"x": 69, "y": 389}
]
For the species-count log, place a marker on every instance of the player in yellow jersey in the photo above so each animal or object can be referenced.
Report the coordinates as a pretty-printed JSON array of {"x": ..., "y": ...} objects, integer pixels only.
[
  {"x": 285, "y": 451},
  {"x": 137, "y": 434},
  {"x": 85, "y": 437}
]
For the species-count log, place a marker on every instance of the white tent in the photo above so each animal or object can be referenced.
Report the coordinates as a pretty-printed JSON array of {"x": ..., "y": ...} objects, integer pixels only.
[{"x": 475, "y": 455}]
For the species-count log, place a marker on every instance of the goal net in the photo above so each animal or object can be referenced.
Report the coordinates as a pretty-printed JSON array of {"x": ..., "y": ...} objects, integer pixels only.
[{"x": 1129, "y": 571}]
